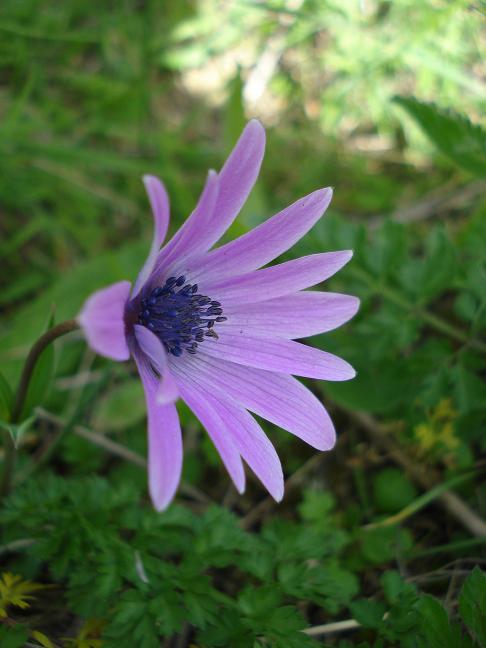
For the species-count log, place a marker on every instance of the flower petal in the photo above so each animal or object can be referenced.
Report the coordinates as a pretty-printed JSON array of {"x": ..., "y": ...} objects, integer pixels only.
[
  {"x": 276, "y": 280},
  {"x": 281, "y": 399},
  {"x": 255, "y": 448},
  {"x": 193, "y": 230},
  {"x": 102, "y": 321},
  {"x": 159, "y": 202},
  {"x": 293, "y": 316},
  {"x": 236, "y": 180},
  {"x": 265, "y": 242},
  {"x": 208, "y": 412},
  {"x": 283, "y": 356},
  {"x": 208, "y": 222},
  {"x": 164, "y": 440},
  {"x": 153, "y": 348}
]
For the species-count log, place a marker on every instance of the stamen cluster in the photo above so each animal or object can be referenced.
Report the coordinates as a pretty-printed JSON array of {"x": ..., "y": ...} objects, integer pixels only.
[{"x": 179, "y": 316}]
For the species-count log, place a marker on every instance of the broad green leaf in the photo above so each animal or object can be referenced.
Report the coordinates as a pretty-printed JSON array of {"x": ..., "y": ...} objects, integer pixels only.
[
  {"x": 122, "y": 407},
  {"x": 472, "y": 604},
  {"x": 368, "y": 613},
  {"x": 14, "y": 637},
  {"x": 392, "y": 490},
  {"x": 453, "y": 134},
  {"x": 381, "y": 544},
  {"x": 436, "y": 629},
  {"x": 377, "y": 388}
]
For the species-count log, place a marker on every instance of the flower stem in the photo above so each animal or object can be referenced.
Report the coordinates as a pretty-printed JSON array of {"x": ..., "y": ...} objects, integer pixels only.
[{"x": 21, "y": 393}]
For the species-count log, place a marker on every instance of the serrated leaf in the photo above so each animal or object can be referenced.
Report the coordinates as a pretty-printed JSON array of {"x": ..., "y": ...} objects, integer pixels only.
[
  {"x": 368, "y": 613},
  {"x": 381, "y": 544},
  {"x": 454, "y": 135},
  {"x": 436, "y": 630},
  {"x": 439, "y": 267},
  {"x": 472, "y": 604},
  {"x": 393, "y": 586}
]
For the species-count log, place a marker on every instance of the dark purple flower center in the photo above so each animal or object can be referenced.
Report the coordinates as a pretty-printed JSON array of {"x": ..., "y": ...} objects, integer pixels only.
[{"x": 179, "y": 316}]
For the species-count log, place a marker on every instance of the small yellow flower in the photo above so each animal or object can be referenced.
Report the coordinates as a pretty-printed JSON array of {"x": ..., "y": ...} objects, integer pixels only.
[
  {"x": 15, "y": 591},
  {"x": 436, "y": 435}
]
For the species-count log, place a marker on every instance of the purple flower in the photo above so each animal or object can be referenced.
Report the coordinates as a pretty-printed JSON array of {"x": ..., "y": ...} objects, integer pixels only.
[{"x": 208, "y": 326}]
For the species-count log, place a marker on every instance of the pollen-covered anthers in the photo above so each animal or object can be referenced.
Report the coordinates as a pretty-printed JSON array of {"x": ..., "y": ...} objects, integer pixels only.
[{"x": 179, "y": 316}]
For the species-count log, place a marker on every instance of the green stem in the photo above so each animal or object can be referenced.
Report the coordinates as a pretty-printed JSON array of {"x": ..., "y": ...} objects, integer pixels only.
[
  {"x": 451, "y": 547},
  {"x": 47, "y": 338},
  {"x": 422, "y": 501}
]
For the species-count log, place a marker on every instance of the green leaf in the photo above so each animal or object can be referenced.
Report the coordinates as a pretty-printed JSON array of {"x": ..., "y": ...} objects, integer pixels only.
[
  {"x": 382, "y": 544},
  {"x": 368, "y": 613},
  {"x": 392, "y": 490},
  {"x": 42, "y": 376},
  {"x": 122, "y": 407},
  {"x": 439, "y": 267},
  {"x": 453, "y": 134},
  {"x": 316, "y": 506},
  {"x": 436, "y": 630},
  {"x": 13, "y": 637},
  {"x": 377, "y": 388},
  {"x": 393, "y": 586},
  {"x": 472, "y": 604}
]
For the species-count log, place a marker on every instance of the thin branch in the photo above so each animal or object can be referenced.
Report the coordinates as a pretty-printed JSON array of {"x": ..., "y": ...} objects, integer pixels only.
[
  {"x": 451, "y": 502},
  {"x": 35, "y": 352},
  {"x": 331, "y": 628},
  {"x": 268, "y": 503},
  {"x": 49, "y": 336},
  {"x": 16, "y": 545},
  {"x": 434, "y": 203},
  {"x": 117, "y": 449}
]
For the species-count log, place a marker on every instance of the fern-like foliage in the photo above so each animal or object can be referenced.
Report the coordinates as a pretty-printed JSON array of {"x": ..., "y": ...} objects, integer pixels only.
[{"x": 454, "y": 135}]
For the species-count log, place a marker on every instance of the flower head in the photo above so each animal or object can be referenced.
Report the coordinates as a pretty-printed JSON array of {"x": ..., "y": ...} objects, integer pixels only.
[{"x": 211, "y": 326}]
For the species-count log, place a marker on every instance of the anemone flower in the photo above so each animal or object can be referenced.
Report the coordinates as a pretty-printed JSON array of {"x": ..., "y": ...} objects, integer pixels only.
[{"x": 214, "y": 328}]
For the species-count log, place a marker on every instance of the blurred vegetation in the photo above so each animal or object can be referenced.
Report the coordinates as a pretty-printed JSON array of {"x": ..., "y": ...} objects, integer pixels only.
[{"x": 383, "y": 101}]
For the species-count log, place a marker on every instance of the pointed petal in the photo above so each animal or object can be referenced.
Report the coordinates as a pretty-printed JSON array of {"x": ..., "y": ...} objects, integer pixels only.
[
  {"x": 293, "y": 316},
  {"x": 194, "y": 228},
  {"x": 276, "y": 397},
  {"x": 265, "y": 242},
  {"x": 153, "y": 348},
  {"x": 276, "y": 280},
  {"x": 236, "y": 179},
  {"x": 207, "y": 411},
  {"x": 255, "y": 448},
  {"x": 102, "y": 321},
  {"x": 159, "y": 202},
  {"x": 164, "y": 440},
  {"x": 282, "y": 356}
]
